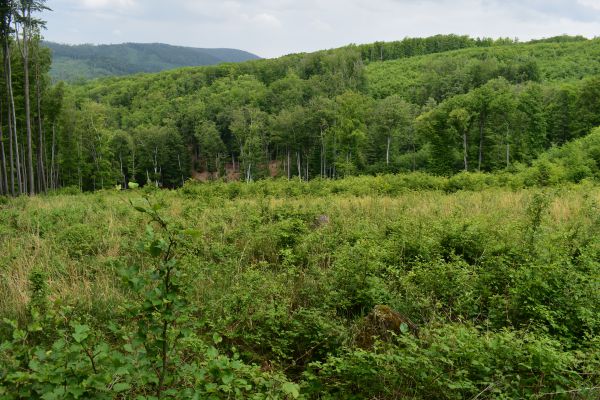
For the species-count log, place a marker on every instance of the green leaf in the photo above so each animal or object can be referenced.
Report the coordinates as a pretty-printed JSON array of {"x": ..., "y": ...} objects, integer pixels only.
[
  {"x": 404, "y": 328},
  {"x": 81, "y": 333},
  {"x": 121, "y": 387},
  {"x": 191, "y": 232},
  {"x": 292, "y": 389},
  {"x": 217, "y": 338}
]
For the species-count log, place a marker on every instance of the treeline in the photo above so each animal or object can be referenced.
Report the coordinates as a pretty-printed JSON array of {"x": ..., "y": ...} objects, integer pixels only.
[
  {"x": 410, "y": 47},
  {"x": 326, "y": 115},
  {"x": 29, "y": 107}
]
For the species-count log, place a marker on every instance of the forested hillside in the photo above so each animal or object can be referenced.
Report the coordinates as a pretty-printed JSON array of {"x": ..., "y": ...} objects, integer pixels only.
[
  {"x": 490, "y": 105},
  {"x": 82, "y": 62},
  {"x": 440, "y": 105}
]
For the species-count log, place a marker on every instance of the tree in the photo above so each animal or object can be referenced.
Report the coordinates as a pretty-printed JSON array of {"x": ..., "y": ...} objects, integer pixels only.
[
  {"x": 531, "y": 121},
  {"x": 392, "y": 119},
  {"x": 30, "y": 26},
  {"x": 52, "y": 104},
  {"x": 460, "y": 119},
  {"x": 7, "y": 12},
  {"x": 503, "y": 108},
  {"x": 249, "y": 127},
  {"x": 211, "y": 146},
  {"x": 321, "y": 118},
  {"x": 350, "y": 131}
]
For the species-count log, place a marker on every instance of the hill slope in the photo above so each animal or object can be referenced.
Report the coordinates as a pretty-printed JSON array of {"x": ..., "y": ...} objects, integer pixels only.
[
  {"x": 443, "y": 75},
  {"x": 341, "y": 112},
  {"x": 77, "y": 62}
]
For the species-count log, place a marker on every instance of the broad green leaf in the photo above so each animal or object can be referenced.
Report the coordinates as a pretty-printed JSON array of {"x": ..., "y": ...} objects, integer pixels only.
[
  {"x": 121, "y": 387},
  {"x": 292, "y": 389}
]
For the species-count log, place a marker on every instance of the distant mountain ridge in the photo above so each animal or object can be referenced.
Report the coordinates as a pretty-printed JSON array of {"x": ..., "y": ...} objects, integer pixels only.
[{"x": 87, "y": 61}]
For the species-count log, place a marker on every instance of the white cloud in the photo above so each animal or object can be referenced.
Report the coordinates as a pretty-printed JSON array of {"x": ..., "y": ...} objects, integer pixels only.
[
  {"x": 595, "y": 4},
  {"x": 321, "y": 25},
  {"x": 108, "y": 4},
  {"x": 274, "y": 27},
  {"x": 267, "y": 20}
]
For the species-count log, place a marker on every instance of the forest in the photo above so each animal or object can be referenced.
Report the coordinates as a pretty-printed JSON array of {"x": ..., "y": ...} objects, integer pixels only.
[
  {"x": 72, "y": 63},
  {"x": 439, "y": 105},
  {"x": 417, "y": 219}
]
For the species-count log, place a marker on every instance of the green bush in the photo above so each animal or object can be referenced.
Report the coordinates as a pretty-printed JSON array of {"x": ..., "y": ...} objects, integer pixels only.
[{"x": 453, "y": 362}]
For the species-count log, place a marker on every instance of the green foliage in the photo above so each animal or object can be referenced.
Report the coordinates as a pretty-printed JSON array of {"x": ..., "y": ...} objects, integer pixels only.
[
  {"x": 440, "y": 105},
  {"x": 268, "y": 290},
  {"x": 80, "y": 240},
  {"x": 452, "y": 362},
  {"x": 146, "y": 354},
  {"x": 83, "y": 62}
]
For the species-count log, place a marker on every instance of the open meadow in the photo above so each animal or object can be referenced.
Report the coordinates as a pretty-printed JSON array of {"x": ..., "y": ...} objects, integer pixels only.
[{"x": 357, "y": 288}]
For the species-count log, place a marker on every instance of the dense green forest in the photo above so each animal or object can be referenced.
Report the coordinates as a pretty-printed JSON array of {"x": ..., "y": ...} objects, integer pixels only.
[
  {"x": 488, "y": 106},
  {"x": 83, "y": 62},
  {"x": 440, "y": 105}
]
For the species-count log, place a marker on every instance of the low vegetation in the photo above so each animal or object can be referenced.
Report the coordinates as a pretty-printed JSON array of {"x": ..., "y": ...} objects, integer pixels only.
[{"x": 358, "y": 288}]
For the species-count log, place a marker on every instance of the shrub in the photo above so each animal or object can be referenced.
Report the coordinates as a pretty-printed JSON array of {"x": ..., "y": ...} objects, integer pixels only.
[{"x": 80, "y": 240}]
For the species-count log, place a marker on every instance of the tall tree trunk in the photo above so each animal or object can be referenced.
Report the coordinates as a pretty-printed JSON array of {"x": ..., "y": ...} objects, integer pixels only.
[
  {"x": 289, "y": 166},
  {"x": 507, "y": 146},
  {"x": 4, "y": 178},
  {"x": 133, "y": 178},
  {"x": 11, "y": 160},
  {"x": 387, "y": 150},
  {"x": 24, "y": 169},
  {"x": 181, "y": 170},
  {"x": 15, "y": 162},
  {"x": 306, "y": 166},
  {"x": 123, "y": 183},
  {"x": 481, "y": 129},
  {"x": 40, "y": 152},
  {"x": 465, "y": 151},
  {"x": 323, "y": 166},
  {"x": 18, "y": 163},
  {"x": 414, "y": 148},
  {"x": 52, "y": 180},
  {"x": 156, "y": 166},
  {"x": 80, "y": 161},
  {"x": 25, "y": 51},
  {"x": 333, "y": 167}
]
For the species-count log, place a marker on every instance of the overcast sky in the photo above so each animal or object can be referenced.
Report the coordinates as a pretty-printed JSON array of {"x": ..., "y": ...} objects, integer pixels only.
[{"x": 272, "y": 28}]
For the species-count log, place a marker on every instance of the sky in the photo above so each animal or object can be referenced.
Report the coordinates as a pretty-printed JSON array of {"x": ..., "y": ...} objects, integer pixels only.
[{"x": 271, "y": 28}]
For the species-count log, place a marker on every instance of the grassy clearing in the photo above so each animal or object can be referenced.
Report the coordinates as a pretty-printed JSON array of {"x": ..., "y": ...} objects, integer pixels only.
[{"x": 502, "y": 285}]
